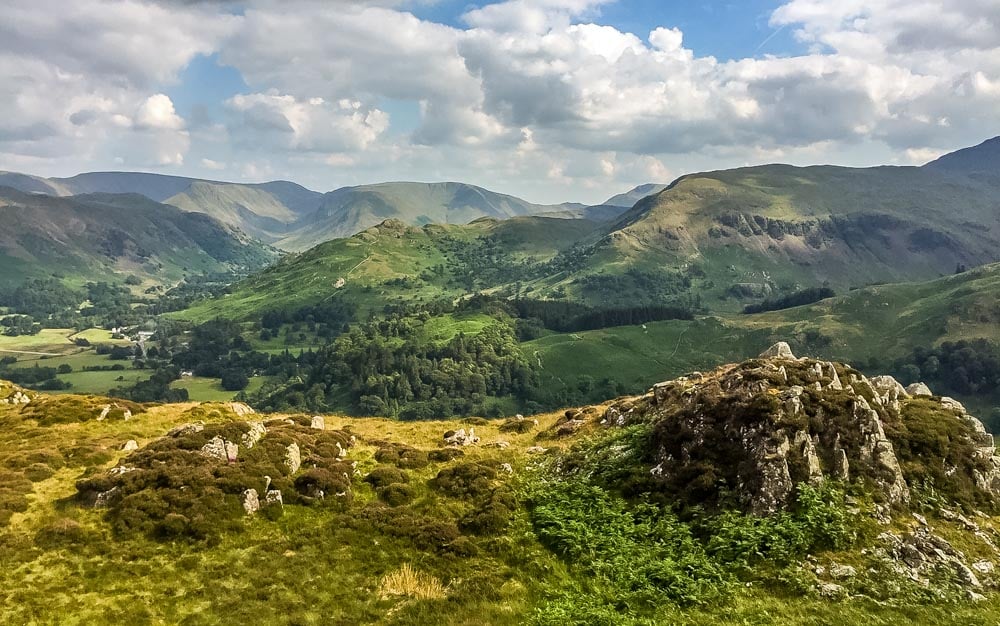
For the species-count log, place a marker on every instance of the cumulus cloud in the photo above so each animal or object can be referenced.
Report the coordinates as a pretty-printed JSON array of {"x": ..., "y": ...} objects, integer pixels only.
[
  {"x": 313, "y": 125},
  {"x": 539, "y": 93}
]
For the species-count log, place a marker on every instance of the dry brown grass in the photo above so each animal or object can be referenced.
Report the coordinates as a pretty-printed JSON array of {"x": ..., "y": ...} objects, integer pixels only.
[{"x": 410, "y": 583}]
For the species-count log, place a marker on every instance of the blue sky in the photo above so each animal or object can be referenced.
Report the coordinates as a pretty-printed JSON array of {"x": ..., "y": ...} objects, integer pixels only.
[{"x": 553, "y": 100}]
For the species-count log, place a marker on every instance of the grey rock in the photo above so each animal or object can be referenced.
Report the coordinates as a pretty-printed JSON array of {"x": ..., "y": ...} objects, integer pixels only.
[
  {"x": 130, "y": 445},
  {"x": 250, "y": 438},
  {"x": 221, "y": 449},
  {"x": 293, "y": 458},
  {"x": 186, "y": 429},
  {"x": 251, "y": 502},
  {"x": 273, "y": 496},
  {"x": 919, "y": 389},
  {"x": 842, "y": 571},
  {"x": 318, "y": 422},
  {"x": 780, "y": 350}
]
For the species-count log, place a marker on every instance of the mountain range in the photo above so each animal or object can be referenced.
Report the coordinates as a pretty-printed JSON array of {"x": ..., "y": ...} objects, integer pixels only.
[
  {"x": 96, "y": 235},
  {"x": 291, "y": 217},
  {"x": 723, "y": 237}
]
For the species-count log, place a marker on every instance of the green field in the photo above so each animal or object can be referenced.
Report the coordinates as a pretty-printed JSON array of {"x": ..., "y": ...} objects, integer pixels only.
[{"x": 210, "y": 390}]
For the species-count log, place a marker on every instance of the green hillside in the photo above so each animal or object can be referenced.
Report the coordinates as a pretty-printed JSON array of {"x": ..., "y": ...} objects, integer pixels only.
[
  {"x": 83, "y": 237},
  {"x": 393, "y": 262},
  {"x": 871, "y": 328},
  {"x": 350, "y": 210}
]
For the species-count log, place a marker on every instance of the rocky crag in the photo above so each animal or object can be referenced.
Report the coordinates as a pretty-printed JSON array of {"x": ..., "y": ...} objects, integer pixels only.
[{"x": 753, "y": 431}]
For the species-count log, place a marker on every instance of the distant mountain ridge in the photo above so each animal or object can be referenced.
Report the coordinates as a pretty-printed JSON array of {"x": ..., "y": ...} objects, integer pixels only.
[
  {"x": 983, "y": 158},
  {"x": 295, "y": 218},
  {"x": 93, "y": 236}
]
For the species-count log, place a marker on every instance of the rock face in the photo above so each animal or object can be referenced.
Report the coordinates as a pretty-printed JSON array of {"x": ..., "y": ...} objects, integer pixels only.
[{"x": 756, "y": 430}]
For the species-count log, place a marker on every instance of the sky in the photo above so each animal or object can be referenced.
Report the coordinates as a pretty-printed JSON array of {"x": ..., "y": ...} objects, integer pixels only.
[{"x": 550, "y": 100}]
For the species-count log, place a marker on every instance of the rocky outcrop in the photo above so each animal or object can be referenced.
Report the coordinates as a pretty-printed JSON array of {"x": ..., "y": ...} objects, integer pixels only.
[
  {"x": 780, "y": 350},
  {"x": 12, "y": 394},
  {"x": 758, "y": 429},
  {"x": 221, "y": 449},
  {"x": 251, "y": 437},
  {"x": 460, "y": 438}
]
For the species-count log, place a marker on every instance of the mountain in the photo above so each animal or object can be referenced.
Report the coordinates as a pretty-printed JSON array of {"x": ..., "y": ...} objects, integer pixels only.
[
  {"x": 292, "y": 217},
  {"x": 264, "y": 210},
  {"x": 981, "y": 159},
  {"x": 267, "y": 211},
  {"x": 629, "y": 198},
  {"x": 394, "y": 262},
  {"x": 753, "y": 231},
  {"x": 720, "y": 239},
  {"x": 89, "y": 236},
  {"x": 350, "y": 210}
]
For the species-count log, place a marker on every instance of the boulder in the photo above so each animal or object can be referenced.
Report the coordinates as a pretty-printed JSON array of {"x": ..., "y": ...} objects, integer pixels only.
[
  {"x": 842, "y": 571},
  {"x": 780, "y": 350},
  {"x": 241, "y": 409},
  {"x": 293, "y": 458},
  {"x": 460, "y": 437},
  {"x": 919, "y": 389},
  {"x": 251, "y": 502},
  {"x": 221, "y": 449},
  {"x": 831, "y": 591},
  {"x": 318, "y": 422},
  {"x": 256, "y": 432},
  {"x": 130, "y": 445},
  {"x": 186, "y": 429},
  {"x": 273, "y": 496}
]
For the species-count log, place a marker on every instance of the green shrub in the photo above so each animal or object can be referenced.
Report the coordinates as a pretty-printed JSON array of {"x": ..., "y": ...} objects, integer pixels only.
[
  {"x": 443, "y": 455},
  {"x": 465, "y": 480},
  {"x": 385, "y": 475},
  {"x": 402, "y": 456},
  {"x": 397, "y": 494},
  {"x": 492, "y": 516},
  {"x": 638, "y": 557}
]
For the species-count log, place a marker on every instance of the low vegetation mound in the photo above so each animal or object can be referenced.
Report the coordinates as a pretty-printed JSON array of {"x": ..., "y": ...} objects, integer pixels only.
[{"x": 202, "y": 479}]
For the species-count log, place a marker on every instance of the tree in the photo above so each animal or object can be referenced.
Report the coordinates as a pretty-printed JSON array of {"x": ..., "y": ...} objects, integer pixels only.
[{"x": 234, "y": 380}]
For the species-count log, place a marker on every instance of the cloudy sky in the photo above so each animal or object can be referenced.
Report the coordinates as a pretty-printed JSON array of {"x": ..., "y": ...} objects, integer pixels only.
[{"x": 553, "y": 100}]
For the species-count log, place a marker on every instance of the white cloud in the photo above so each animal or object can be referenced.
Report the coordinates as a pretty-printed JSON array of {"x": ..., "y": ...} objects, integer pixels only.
[
  {"x": 313, "y": 125},
  {"x": 537, "y": 95},
  {"x": 157, "y": 113}
]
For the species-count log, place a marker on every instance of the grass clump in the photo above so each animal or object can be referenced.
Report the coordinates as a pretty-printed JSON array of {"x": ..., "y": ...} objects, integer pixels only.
[{"x": 411, "y": 583}]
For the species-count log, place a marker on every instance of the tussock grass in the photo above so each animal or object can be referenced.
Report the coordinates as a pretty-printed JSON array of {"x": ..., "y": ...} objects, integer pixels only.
[{"x": 411, "y": 583}]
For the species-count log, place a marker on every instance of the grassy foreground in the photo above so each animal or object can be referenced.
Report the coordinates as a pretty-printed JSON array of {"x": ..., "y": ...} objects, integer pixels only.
[{"x": 426, "y": 563}]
